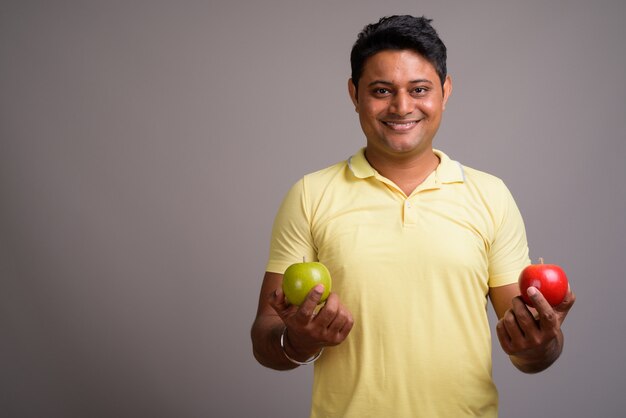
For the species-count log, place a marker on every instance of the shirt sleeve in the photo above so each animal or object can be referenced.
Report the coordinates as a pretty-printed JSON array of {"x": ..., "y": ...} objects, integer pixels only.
[
  {"x": 508, "y": 253},
  {"x": 291, "y": 239}
]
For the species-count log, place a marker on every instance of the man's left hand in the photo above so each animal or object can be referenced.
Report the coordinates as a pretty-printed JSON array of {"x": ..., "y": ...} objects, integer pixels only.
[{"x": 533, "y": 339}]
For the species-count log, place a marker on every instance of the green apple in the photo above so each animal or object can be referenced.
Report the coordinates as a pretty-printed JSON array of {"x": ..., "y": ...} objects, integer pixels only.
[{"x": 300, "y": 278}]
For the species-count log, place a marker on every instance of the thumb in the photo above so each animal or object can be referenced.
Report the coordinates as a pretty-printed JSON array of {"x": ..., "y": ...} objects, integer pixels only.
[
  {"x": 279, "y": 303},
  {"x": 567, "y": 303}
]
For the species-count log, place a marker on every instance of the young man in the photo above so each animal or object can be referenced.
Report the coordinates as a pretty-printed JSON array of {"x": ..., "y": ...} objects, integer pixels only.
[{"x": 415, "y": 243}]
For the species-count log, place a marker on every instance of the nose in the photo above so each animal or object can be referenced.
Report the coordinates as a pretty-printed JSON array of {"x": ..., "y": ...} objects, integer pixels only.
[{"x": 402, "y": 104}]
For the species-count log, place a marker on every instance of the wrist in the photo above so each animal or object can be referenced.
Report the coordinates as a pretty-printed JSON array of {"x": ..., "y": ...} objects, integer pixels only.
[
  {"x": 297, "y": 356},
  {"x": 537, "y": 360}
]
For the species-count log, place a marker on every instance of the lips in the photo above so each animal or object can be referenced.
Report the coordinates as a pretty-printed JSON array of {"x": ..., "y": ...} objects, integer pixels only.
[{"x": 400, "y": 125}]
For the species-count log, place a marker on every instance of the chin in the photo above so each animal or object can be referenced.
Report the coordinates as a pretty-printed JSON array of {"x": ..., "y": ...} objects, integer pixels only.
[{"x": 404, "y": 147}]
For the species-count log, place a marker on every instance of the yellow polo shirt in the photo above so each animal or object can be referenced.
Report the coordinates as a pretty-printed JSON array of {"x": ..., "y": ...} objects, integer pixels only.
[{"x": 415, "y": 272}]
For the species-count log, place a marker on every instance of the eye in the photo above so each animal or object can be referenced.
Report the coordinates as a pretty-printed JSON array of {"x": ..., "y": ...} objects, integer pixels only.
[
  {"x": 381, "y": 91},
  {"x": 420, "y": 90}
]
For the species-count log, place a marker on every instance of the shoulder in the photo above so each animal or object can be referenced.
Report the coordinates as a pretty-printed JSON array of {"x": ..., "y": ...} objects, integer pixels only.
[
  {"x": 489, "y": 186},
  {"x": 485, "y": 190},
  {"x": 455, "y": 173},
  {"x": 482, "y": 178},
  {"x": 332, "y": 177},
  {"x": 327, "y": 172},
  {"x": 312, "y": 186},
  {"x": 492, "y": 193}
]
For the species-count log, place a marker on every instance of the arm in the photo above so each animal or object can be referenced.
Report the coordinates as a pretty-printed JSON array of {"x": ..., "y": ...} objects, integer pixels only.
[
  {"x": 307, "y": 332},
  {"x": 532, "y": 341}
]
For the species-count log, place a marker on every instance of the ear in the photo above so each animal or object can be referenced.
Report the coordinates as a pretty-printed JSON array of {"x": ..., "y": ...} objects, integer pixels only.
[
  {"x": 353, "y": 95},
  {"x": 447, "y": 90}
]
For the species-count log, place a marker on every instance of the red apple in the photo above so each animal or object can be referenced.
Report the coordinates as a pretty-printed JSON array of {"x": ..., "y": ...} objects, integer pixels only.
[
  {"x": 300, "y": 278},
  {"x": 549, "y": 279}
]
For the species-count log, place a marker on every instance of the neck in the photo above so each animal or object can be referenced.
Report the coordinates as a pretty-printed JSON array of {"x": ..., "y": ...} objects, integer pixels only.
[{"x": 407, "y": 172}]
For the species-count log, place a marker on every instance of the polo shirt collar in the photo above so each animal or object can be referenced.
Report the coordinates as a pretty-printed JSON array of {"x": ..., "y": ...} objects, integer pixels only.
[
  {"x": 448, "y": 170},
  {"x": 359, "y": 165}
]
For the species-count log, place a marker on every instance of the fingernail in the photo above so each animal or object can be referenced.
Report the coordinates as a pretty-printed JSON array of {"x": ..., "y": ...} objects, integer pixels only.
[
  {"x": 532, "y": 291},
  {"x": 319, "y": 288}
]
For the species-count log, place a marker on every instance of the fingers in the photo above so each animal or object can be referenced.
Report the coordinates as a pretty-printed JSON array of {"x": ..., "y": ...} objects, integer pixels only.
[
  {"x": 306, "y": 311},
  {"x": 504, "y": 338},
  {"x": 517, "y": 329},
  {"x": 311, "y": 325},
  {"x": 303, "y": 313},
  {"x": 549, "y": 321},
  {"x": 334, "y": 320},
  {"x": 547, "y": 316}
]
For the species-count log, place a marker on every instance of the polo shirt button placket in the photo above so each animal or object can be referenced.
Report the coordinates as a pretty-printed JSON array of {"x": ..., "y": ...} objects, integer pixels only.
[{"x": 410, "y": 214}]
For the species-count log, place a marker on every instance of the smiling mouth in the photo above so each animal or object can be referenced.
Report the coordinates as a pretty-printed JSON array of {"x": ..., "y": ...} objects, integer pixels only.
[{"x": 400, "y": 126}]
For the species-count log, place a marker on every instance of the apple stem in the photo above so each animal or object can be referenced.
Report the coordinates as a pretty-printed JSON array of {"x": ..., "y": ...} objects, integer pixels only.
[{"x": 540, "y": 260}]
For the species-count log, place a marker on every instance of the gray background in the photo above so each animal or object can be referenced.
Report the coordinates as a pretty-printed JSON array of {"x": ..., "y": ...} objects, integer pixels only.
[{"x": 146, "y": 145}]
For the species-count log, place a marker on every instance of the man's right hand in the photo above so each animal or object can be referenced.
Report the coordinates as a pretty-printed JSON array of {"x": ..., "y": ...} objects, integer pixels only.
[{"x": 309, "y": 329}]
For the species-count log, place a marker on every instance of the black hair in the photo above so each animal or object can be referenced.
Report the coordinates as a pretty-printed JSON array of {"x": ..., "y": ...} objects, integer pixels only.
[{"x": 399, "y": 32}]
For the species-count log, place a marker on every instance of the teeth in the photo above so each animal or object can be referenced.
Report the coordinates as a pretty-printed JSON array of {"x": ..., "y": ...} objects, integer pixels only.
[{"x": 401, "y": 126}]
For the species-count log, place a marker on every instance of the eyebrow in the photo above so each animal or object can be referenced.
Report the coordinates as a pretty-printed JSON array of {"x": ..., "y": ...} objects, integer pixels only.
[{"x": 389, "y": 83}]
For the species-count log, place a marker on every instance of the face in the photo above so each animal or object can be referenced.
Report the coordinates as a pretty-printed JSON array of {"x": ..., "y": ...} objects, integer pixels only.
[{"x": 400, "y": 102}]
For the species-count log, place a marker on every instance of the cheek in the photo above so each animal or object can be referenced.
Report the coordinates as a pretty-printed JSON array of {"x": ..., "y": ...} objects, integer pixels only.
[
  {"x": 368, "y": 124},
  {"x": 368, "y": 114},
  {"x": 433, "y": 108},
  {"x": 373, "y": 111}
]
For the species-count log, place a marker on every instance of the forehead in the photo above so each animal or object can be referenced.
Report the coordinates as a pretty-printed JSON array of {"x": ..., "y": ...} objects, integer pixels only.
[{"x": 398, "y": 66}]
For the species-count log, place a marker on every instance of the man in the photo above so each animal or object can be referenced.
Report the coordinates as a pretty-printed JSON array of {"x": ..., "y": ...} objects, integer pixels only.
[{"x": 415, "y": 243}]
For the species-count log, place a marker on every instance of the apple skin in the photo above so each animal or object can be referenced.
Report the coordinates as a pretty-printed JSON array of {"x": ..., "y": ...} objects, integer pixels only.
[
  {"x": 300, "y": 278},
  {"x": 549, "y": 279}
]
